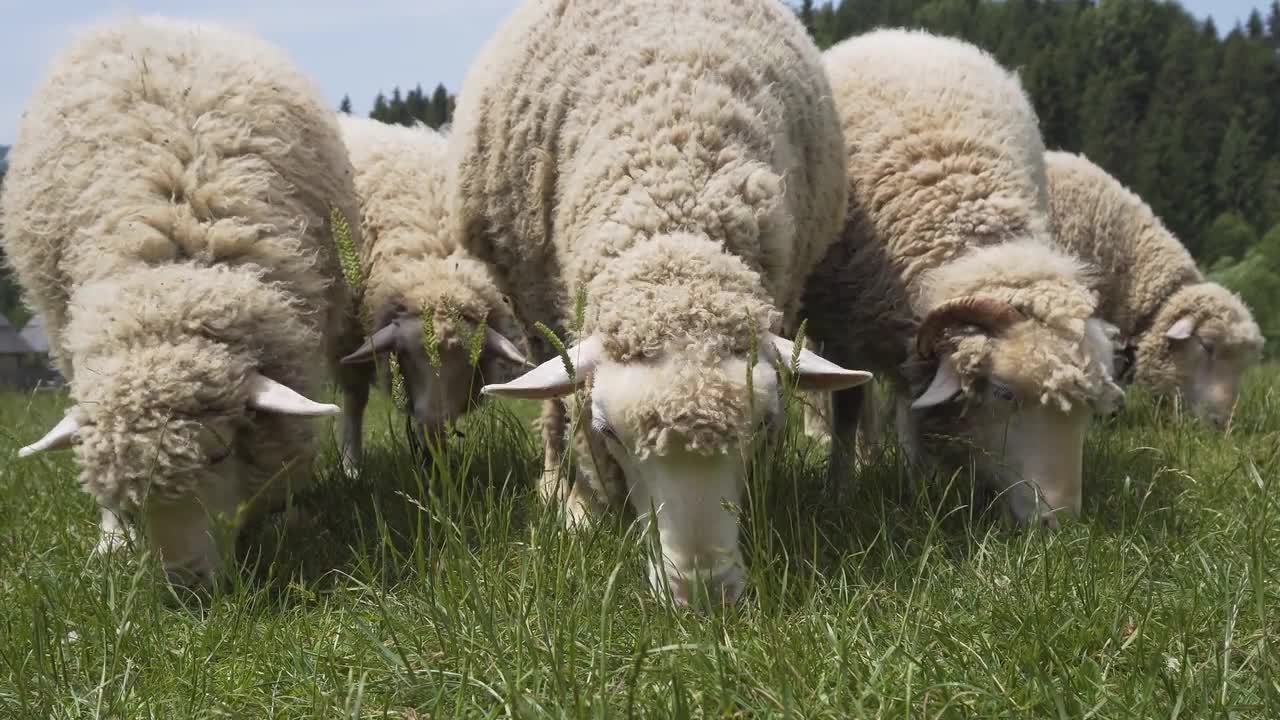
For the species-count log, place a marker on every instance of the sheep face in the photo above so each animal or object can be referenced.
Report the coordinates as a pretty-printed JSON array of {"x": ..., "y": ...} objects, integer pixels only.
[
  {"x": 441, "y": 385},
  {"x": 1206, "y": 351},
  {"x": 1015, "y": 404},
  {"x": 683, "y": 427},
  {"x": 684, "y": 434},
  {"x": 181, "y": 476},
  {"x": 173, "y": 434}
]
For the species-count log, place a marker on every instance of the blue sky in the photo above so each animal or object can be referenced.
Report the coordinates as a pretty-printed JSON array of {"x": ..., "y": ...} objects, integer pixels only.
[{"x": 347, "y": 46}]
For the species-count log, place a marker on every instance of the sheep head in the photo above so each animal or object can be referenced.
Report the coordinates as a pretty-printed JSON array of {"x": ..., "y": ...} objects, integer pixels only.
[
  {"x": 1006, "y": 395},
  {"x": 182, "y": 379},
  {"x": 441, "y": 377},
  {"x": 683, "y": 425},
  {"x": 1200, "y": 345}
]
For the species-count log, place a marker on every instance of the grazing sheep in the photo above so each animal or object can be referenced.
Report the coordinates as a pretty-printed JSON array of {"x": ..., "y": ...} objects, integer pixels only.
[
  {"x": 1187, "y": 336},
  {"x": 166, "y": 211},
  {"x": 679, "y": 164},
  {"x": 413, "y": 265},
  {"x": 945, "y": 277}
]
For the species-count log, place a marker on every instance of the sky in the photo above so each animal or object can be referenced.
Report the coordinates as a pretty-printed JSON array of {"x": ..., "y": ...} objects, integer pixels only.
[{"x": 353, "y": 47}]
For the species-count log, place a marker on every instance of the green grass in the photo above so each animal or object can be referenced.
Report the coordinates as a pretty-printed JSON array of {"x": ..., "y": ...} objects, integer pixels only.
[{"x": 457, "y": 595}]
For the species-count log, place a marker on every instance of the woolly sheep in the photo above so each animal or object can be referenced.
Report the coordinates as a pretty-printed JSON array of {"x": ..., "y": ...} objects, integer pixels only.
[
  {"x": 946, "y": 265},
  {"x": 1187, "y": 336},
  {"x": 686, "y": 181},
  {"x": 412, "y": 264},
  {"x": 166, "y": 211}
]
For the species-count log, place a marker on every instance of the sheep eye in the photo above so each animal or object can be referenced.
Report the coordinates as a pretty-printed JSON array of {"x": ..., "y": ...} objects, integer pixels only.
[
  {"x": 1208, "y": 347},
  {"x": 600, "y": 425},
  {"x": 1002, "y": 392}
]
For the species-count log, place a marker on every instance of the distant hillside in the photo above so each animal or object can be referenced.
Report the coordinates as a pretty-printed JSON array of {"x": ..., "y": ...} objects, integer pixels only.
[{"x": 4, "y": 159}]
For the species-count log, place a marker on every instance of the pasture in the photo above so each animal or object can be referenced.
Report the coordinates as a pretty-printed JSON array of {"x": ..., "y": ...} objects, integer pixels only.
[{"x": 452, "y": 593}]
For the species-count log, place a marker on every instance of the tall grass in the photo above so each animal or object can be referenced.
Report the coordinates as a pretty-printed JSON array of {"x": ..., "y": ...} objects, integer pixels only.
[{"x": 450, "y": 592}]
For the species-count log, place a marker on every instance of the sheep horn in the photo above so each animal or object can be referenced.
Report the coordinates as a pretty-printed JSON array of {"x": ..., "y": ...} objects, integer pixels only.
[
  {"x": 268, "y": 395},
  {"x": 381, "y": 341},
  {"x": 60, "y": 437},
  {"x": 498, "y": 344},
  {"x": 993, "y": 316}
]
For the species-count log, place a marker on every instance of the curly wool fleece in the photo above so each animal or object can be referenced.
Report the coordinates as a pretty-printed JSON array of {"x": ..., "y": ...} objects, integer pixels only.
[
  {"x": 1147, "y": 279},
  {"x": 590, "y": 129},
  {"x": 1051, "y": 357},
  {"x": 946, "y": 174},
  {"x": 164, "y": 351},
  {"x": 154, "y": 141},
  {"x": 677, "y": 291},
  {"x": 944, "y": 148},
  {"x": 167, "y": 210},
  {"x": 410, "y": 256}
]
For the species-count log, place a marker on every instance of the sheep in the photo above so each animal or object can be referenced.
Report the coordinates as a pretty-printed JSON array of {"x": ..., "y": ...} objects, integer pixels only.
[
  {"x": 1187, "y": 336},
  {"x": 166, "y": 211},
  {"x": 945, "y": 278},
  {"x": 677, "y": 165},
  {"x": 412, "y": 264}
]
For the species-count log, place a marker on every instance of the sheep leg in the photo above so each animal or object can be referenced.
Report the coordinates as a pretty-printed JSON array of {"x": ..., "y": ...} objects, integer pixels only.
[
  {"x": 817, "y": 416},
  {"x": 113, "y": 533},
  {"x": 846, "y": 409},
  {"x": 552, "y": 423},
  {"x": 816, "y": 405},
  {"x": 599, "y": 483},
  {"x": 355, "y": 397},
  {"x": 871, "y": 428}
]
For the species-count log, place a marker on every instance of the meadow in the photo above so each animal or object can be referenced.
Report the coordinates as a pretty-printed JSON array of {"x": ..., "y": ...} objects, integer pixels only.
[{"x": 452, "y": 592}]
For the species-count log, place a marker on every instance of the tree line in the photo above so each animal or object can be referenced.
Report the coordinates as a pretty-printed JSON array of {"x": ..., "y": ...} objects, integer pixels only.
[
  {"x": 434, "y": 110},
  {"x": 1183, "y": 114}
]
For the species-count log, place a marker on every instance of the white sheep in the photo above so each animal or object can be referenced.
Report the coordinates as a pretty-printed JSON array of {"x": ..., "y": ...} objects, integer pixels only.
[
  {"x": 680, "y": 164},
  {"x": 167, "y": 212},
  {"x": 1187, "y": 336},
  {"x": 945, "y": 277},
  {"x": 413, "y": 266}
]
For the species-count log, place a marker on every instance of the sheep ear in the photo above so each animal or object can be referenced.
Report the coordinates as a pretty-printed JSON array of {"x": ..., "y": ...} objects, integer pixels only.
[
  {"x": 270, "y": 396},
  {"x": 384, "y": 340},
  {"x": 497, "y": 345},
  {"x": 1182, "y": 329},
  {"x": 944, "y": 388},
  {"x": 816, "y": 372},
  {"x": 59, "y": 438},
  {"x": 551, "y": 379}
]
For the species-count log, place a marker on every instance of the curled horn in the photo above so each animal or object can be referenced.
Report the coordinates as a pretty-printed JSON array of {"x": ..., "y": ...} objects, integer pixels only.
[{"x": 993, "y": 316}]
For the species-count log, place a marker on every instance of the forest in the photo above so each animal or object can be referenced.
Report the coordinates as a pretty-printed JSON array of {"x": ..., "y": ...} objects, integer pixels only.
[{"x": 1184, "y": 113}]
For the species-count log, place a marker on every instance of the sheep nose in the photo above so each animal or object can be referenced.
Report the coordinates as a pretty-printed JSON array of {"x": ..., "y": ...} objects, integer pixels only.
[{"x": 720, "y": 589}]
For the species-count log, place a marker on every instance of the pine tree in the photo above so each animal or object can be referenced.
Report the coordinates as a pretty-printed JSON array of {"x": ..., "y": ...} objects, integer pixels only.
[
  {"x": 381, "y": 111},
  {"x": 1254, "y": 26},
  {"x": 345, "y": 106},
  {"x": 824, "y": 26},
  {"x": 1237, "y": 174},
  {"x": 806, "y": 15},
  {"x": 1229, "y": 238},
  {"x": 1210, "y": 30},
  {"x": 1273, "y": 25},
  {"x": 396, "y": 107},
  {"x": 441, "y": 108},
  {"x": 1171, "y": 172}
]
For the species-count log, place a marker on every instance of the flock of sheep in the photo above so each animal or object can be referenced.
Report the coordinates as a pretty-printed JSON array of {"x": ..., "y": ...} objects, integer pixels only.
[{"x": 676, "y": 185}]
